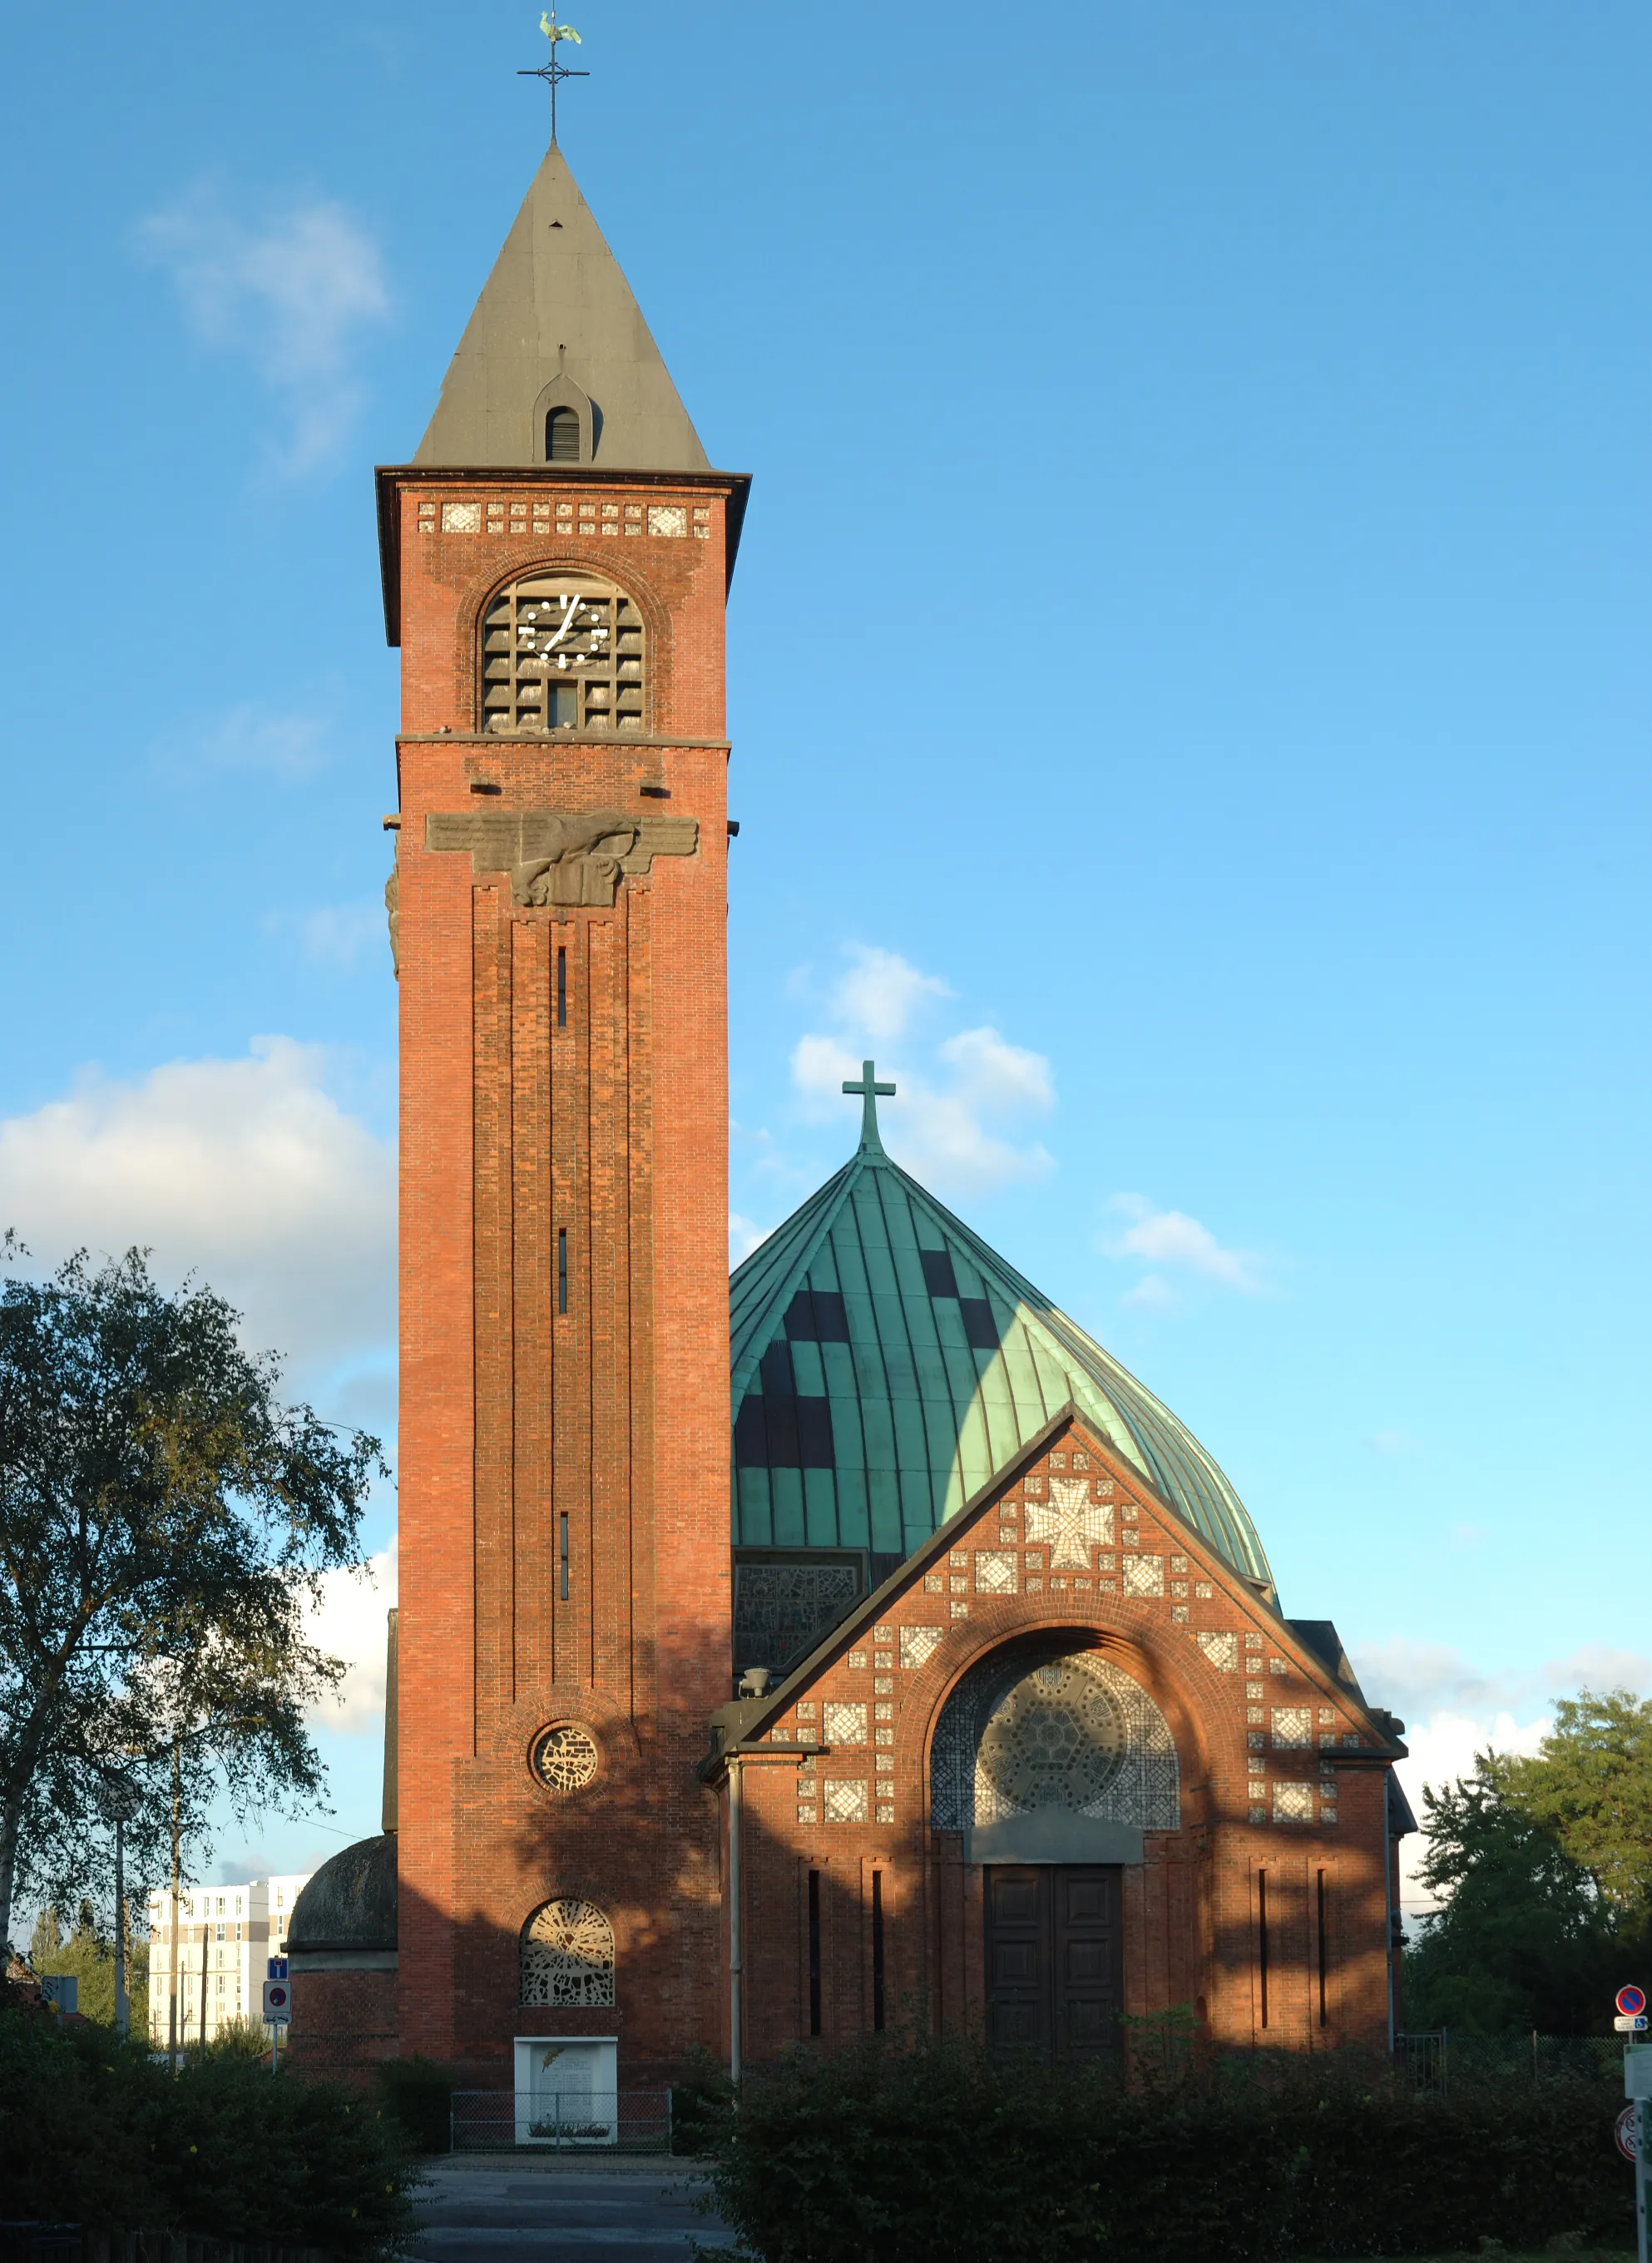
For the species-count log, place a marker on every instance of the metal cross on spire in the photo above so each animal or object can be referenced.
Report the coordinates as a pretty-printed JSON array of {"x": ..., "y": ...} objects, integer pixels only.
[
  {"x": 869, "y": 1090},
  {"x": 553, "y": 72}
]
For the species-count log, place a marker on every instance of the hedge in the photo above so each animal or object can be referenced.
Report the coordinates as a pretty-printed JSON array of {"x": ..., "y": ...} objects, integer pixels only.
[
  {"x": 95, "y": 2131},
  {"x": 916, "y": 2151}
]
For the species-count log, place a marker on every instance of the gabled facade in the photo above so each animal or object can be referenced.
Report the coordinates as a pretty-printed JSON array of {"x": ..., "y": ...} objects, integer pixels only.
[{"x": 1065, "y": 1763}]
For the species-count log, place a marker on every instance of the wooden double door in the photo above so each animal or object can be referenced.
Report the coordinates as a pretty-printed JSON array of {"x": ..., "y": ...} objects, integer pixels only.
[{"x": 1054, "y": 1957}]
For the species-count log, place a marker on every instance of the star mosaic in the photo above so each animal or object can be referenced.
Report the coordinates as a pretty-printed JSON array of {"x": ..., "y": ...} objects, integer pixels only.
[{"x": 1071, "y": 1523}]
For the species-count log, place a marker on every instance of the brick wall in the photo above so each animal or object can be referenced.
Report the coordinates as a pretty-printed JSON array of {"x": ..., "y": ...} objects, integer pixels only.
[
  {"x": 610, "y": 1128},
  {"x": 344, "y": 2025},
  {"x": 1270, "y": 1810}
]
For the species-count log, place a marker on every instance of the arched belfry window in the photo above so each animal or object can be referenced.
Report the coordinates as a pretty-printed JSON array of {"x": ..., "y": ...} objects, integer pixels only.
[
  {"x": 562, "y": 436},
  {"x": 567, "y": 1955},
  {"x": 563, "y": 650}
]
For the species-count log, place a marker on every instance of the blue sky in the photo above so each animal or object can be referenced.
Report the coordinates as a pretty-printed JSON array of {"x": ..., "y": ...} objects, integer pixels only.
[{"x": 1187, "y": 685}]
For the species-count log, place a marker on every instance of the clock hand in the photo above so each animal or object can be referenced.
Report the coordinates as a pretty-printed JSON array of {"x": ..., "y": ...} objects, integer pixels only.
[{"x": 571, "y": 605}]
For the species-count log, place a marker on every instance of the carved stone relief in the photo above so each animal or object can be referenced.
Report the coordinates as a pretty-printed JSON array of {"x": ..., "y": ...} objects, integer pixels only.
[
  {"x": 392, "y": 915},
  {"x": 556, "y": 857}
]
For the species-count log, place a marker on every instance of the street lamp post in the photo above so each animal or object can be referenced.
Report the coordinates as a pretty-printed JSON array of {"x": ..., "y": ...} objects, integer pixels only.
[{"x": 119, "y": 1803}]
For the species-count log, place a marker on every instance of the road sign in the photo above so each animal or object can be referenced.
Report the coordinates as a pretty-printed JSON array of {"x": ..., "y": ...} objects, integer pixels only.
[
  {"x": 61, "y": 1989},
  {"x": 275, "y": 1968},
  {"x": 1626, "y": 2130},
  {"x": 1637, "y": 2071},
  {"x": 277, "y": 2004},
  {"x": 1628, "y": 2024},
  {"x": 1631, "y": 2001}
]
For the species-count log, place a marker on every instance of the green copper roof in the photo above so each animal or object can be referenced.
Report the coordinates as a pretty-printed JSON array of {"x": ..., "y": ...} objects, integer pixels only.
[{"x": 886, "y": 1363}]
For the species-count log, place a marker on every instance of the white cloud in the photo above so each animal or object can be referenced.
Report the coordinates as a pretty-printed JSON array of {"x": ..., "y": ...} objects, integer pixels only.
[
  {"x": 349, "y": 1623},
  {"x": 744, "y": 1235},
  {"x": 337, "y": 934},
  {"x": 944, "y": 1135},
  {"x": 247, "y": 1173},
  {"x": 882, "y": 992},
  {"x": 1150, "y": 1294},
  {"x": 289, "y": 749},
  {"x": 1452, "y": 1711},
  {"x": 292, "y": 292},
  {"x": 953, "y": 1114},
  {"x": 1170, "y": 1237}
]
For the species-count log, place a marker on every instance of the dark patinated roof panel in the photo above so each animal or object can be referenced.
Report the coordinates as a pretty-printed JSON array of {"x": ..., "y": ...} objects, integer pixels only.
[
  {"x": 885, "y": 1361},
  {"x": 350, "y": 1902}
]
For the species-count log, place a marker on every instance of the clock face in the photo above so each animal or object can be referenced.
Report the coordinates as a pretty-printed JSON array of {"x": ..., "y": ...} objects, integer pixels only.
[
  {"x": 562, "y": 650},
  {"x": 563, "y": 630}
]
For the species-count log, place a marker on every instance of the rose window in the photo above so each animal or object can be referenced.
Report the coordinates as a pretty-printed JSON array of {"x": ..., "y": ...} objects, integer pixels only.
[
  {"x": 564, "y": 1758},
  {"x": 1056, "y": 1740}
]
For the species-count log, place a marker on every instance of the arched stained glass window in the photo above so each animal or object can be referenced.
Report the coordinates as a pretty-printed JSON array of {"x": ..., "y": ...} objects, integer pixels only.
[{"x": 567, "y": 1955}]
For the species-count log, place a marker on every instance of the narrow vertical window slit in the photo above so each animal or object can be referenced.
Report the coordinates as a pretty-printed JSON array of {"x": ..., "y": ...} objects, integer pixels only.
[
  {"x": 562, "y": 1556},
  {"x": 562, "y": 1269},
  {"x": 562, "y": 986},
  {"x": 1261, "y": 1941},
  {"x": 877, "y": 1951},
  {"x": 814, "y": 1952},
  {"x": 1324, "y": 1955}
]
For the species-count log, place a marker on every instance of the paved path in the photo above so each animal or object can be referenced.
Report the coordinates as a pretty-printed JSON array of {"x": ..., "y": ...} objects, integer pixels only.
[{"x": 634, "y": 2212}]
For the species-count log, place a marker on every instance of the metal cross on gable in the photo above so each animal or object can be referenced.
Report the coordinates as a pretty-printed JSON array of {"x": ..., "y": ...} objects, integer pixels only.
[
  {"x": 869, "y": 1090},
  {"x": 553, "y": 72}
]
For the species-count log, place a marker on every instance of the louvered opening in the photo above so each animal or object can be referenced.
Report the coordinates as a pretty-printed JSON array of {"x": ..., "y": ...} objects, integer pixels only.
[{"x": 562, "y": 437}]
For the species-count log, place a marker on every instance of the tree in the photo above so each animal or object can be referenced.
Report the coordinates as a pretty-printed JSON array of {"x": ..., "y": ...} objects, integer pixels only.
[
  {"x": 164, "y": 1520},
  {"x": 1589, "y": 1784},
  {"x": 1522, "y": 1940},
  {"x": 89, "y": 1955}
]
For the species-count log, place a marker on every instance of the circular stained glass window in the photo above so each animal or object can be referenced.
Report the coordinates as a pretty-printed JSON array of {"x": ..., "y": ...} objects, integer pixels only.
[
  {"x": 1056, "y": 1740},
  {"x": 563, "y": 1758}
]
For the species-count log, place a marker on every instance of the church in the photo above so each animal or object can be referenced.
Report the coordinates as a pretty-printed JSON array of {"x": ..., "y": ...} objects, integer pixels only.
[{"x": 778, "y": 1660}]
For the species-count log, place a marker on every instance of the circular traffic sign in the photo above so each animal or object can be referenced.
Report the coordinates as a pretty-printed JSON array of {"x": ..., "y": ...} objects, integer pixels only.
[
  {"x": 277, "y": 1995},
  {"x": 1625, "y": 2130},
  {"x": 1631, "y": 2001}
]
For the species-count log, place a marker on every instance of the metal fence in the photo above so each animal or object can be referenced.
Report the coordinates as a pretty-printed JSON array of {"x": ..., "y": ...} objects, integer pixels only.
[
  {"x": 1436, "y": 2058},
  {"x": 73, "y": 2243},
  {"x": 573, "y": 2120}
]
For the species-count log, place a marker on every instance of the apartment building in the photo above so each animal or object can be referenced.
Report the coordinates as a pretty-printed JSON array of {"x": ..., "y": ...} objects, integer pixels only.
[{"x": 225, "y": 1935}]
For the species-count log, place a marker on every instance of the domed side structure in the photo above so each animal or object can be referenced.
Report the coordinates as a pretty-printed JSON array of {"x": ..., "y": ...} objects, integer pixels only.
[
  {"x": 342, "y": 1955},
  {"x": 886, "y": 1363}
]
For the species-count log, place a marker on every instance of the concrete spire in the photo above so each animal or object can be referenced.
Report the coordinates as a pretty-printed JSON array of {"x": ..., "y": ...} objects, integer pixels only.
[{"x": 556, "y": 321}]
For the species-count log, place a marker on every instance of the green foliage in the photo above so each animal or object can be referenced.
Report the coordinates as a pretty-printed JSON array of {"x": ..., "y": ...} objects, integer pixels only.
[
  {"x": 1522, "y": 1940},
  {"x": 698, "y": 2101},
  {"x": 164, "y": 1520},
  {"x": 1589, "y": 1784},
  {"x": 419, "y": 2094},
  {"x": 95, "y": 2131},
  {"x": 89, "y": 1955},
  {"x": 920, "y": 2152},
  {"x": 1544, "y": 1865}
]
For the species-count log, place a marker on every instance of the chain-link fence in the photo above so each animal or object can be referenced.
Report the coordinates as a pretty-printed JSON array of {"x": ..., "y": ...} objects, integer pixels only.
[
  {"x": 573, "y": 2120},
  {"x": 1435, "y": 2059}
]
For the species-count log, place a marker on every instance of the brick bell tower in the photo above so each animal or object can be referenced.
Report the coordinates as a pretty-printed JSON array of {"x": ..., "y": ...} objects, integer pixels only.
[{"x": 556, "y": 559}]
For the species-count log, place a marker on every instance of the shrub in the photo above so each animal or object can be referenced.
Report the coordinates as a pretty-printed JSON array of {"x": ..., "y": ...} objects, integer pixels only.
[
  {"x": 420, "y": 2095},
  {"x": 94, "y": 2130},
  {"x": 698, "y": 2100},
  {"x": 916, "y": 2151}
]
